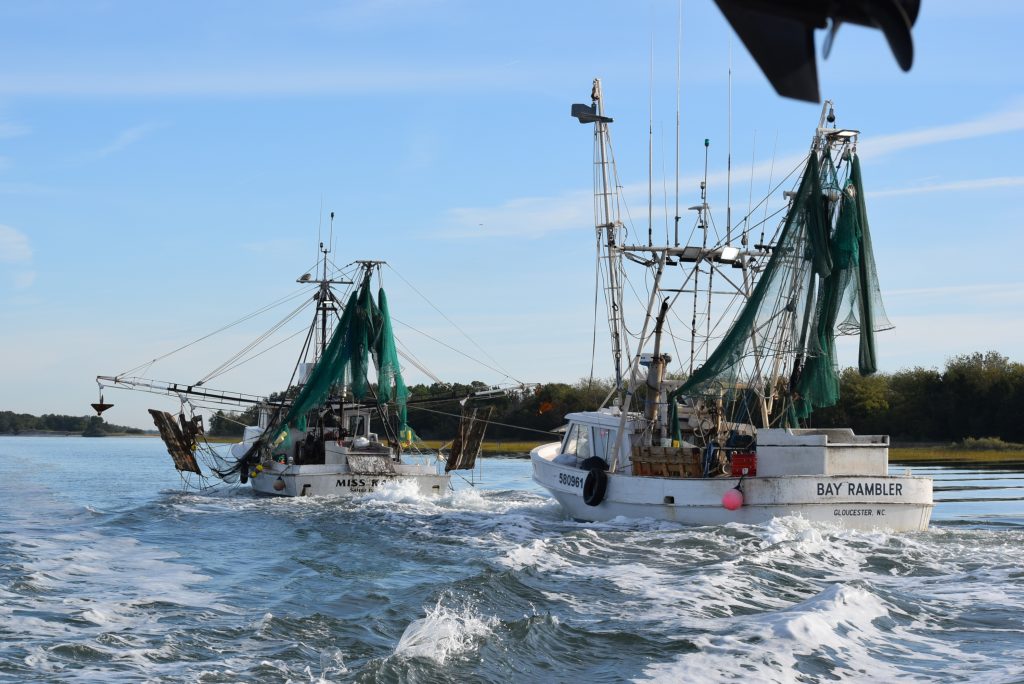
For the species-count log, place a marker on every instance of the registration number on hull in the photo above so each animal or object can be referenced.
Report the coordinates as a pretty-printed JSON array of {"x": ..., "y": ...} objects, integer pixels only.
[{"x": 570, "y": 480}]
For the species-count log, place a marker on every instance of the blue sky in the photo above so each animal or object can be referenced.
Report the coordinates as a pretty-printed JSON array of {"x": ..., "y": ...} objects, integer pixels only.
[{"x": 163, "y": 168}]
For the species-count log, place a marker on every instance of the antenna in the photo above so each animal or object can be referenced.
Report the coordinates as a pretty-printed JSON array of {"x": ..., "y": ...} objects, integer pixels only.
[
  {"x": 330, "y": 242},
  {"x": 771, "y": 174},
  {"x": 728, "y": 165},
  {"x": 320, "y": 221},
  {"x": 750, "y": 192},
  {"x": 702, "y": 224},
  {"x": 650, "y": 149},
  {"x": 679, "y": 48}
]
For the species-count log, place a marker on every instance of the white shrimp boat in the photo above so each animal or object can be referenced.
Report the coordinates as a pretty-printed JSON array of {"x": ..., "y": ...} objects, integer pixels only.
[
  {"x": 333, "y": 432},
  {"x": 727, "y": 439}
]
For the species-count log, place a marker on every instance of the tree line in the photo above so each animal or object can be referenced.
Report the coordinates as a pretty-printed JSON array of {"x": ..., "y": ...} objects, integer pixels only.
[
  {"x": 974, "y": 395},
  {"x": 89, "y": 426},
  {"x": 434, "y": 410}
]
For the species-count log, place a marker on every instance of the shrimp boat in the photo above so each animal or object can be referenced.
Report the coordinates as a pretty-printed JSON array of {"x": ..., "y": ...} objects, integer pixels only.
[
  {"x": 724, "y": 436},
  {"x": 333, "y": 432}
]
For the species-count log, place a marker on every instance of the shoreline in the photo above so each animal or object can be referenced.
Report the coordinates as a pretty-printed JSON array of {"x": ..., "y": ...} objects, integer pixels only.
[{"x": 922, "y": 454}]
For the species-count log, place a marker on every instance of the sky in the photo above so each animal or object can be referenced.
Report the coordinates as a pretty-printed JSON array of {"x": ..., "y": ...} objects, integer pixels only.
[{"x": 168, "y": 167}]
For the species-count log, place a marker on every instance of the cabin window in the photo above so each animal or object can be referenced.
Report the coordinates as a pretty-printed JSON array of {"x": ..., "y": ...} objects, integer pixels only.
[
  {"x": 357, "y": 426},
  {"x": 577, "y": 442},
  {"x": 603, "y": 440}
]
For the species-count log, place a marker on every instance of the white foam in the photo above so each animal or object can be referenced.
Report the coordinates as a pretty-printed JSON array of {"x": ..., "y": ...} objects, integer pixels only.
[
  {"x": 443, "y": 633},
  {"x": 402, "y": 490},
  {"x": 536, "y": 554}
]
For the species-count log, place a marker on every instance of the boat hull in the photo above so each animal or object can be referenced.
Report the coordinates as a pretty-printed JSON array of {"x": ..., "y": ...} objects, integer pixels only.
[
  {"x": 280, "y": 479},
  {"x": 897, "y": 503}
]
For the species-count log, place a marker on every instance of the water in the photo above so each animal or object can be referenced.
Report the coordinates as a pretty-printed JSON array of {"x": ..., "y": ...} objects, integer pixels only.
[{"x": 108, "y": 572}]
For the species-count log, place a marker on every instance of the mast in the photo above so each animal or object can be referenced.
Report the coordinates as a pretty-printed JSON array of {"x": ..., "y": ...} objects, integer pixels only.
[{"x": 606, "y": 223}]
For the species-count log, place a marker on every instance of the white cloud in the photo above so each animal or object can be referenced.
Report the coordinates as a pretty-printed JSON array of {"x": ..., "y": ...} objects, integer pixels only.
[
  {"x": 524, "y": 217},
  {"x": 931, "y": 340},
  {"x": 362, "y": 14},
  {"x": 298, "y": 79},
  {"x": 980, "y": 289},
  {"x": 127, "y": 138},
  {"x": 12, "y": 130},
  {"x": 537, "y": 216},
  {"x": 21, "y": 188},
  {"x": 14, "y": 246},
  {"x": 24, "y": 279},
  {"x": 954, "y": 186},
  {"x": 1006, "y": 121},
  {"x": 274, "y": 246}
]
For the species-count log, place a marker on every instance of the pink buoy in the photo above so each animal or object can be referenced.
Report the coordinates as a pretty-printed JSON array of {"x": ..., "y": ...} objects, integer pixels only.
[{"x": 732, "y": 499}]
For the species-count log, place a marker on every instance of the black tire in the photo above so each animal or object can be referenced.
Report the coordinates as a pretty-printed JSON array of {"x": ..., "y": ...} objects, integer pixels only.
[{"x": 594, "y": 487}]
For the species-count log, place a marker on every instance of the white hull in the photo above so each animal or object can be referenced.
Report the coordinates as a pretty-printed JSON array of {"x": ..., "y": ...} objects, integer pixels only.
[
  {"x": 897, "y": 503},
  {"x": 279, "y": 479}
]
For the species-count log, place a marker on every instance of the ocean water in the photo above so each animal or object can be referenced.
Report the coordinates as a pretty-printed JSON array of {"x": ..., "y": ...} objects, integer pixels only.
[{"x": 110, "y": 572}]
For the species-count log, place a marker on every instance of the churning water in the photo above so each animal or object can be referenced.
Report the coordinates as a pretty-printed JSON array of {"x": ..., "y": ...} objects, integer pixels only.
[{"x": 109, "y": 572}]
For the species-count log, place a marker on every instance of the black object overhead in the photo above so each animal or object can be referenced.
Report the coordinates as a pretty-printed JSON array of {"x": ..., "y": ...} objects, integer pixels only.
[
  {"x": 587, "y": 114},
  {"x": 780, "y": 35}
]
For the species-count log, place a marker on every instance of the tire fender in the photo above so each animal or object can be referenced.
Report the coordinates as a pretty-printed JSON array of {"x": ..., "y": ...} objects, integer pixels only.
[{"x": 594, "y": 487}]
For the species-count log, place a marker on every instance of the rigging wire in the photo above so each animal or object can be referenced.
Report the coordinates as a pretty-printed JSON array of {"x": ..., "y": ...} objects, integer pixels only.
[
  {"x": 454, "y": 325},
  {"x": 261, "y": 353},
  {"x": 252, "y": 345},
  {"x": 244, "y": 318},
  {"x": 457, "y": 351},
  {"x": 489, "y": 422},
  {"x": 408, "y": 356}
]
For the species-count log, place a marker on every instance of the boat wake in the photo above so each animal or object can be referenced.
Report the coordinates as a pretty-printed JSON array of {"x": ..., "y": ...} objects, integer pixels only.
[
  {"x": 444, "y": 633},
  {"x": 487, "y": 584}
]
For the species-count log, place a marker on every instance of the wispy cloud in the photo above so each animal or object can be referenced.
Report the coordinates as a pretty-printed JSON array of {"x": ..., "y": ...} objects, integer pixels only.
[
  {"x": 954, "y": 186},
  {"x": 525, "y": 217},
  {"x": 974, "y": 289},
  {"x": 362, "y": 14},
  {"x": 260, "y": 80},
  {"x": 14, "y": 246},
  {"x": 22, "y": 188},
  {"x": 1005, "y": 121},
  {"x": 12, "y": 130},
  {"x": 23, "y": 279},
  {"x": 16, "y": 250},
  {"x": 273, "y": 246},
  {"x": 127, "y": 138},
  {"x": 537, "y": 216}
]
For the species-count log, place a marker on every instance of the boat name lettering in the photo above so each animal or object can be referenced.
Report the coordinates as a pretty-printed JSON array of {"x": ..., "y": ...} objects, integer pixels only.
[
  {"x": 861, "y": 488},
  {"x": 360, "y": 482},
  {"x": 570, "y": 480}
]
